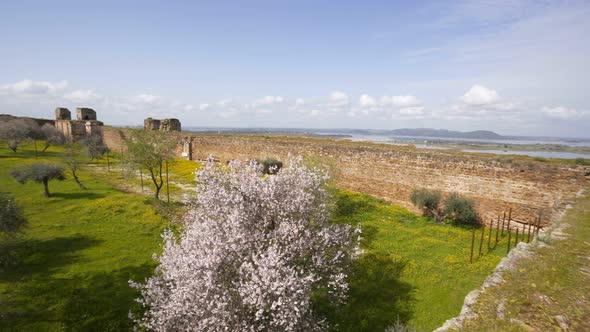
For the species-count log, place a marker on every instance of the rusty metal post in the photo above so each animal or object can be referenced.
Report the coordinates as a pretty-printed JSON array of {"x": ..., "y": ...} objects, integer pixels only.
[
  {"x": 472, "y": 244},
  {"x": 538, "y": 223},
  {"x": 509, "y": 220},
  {"x": 490, "y": 234},
  {"x": 141, "y": 177},
  {"x": 516, "y": 239},
  {"x": 167, "y": 183},
  {"x": 483, "y": 229},
  {"x": 528, "y": 236},
  {"x": 509, "y": 238},
  {"x": 497, "y": 230},
  {"x": 503, "y": 220}
]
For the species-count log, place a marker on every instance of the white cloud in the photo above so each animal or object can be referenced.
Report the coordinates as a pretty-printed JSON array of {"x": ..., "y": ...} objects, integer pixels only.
[
  {"x": 82, "y": 96},
  {"x": 269, "y": 100},
  {"x": 204, "y": 106},
  {"x": 147, "y": 99},
  {"x": 479, "y": 95},
  {"x": 366, "y": 101},
  {"x": 189, "y": 107},
  {"x": 299, "y": 102},
  {"x": 224, "y": 102},
  {"x": 32, "y": 88},
  {"x": 339, "y": 99},
  {"x": 561, "y": 112},
  {"x": 412, "y": 111},
  {"x": 399, "y": 101}
]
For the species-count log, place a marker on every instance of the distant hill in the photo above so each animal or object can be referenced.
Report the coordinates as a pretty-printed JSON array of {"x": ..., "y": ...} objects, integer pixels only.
[{"x": 443, "y": 133}]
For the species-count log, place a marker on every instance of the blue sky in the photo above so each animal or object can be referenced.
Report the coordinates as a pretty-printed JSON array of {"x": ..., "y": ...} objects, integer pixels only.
[{"x": 516, "y": 67}]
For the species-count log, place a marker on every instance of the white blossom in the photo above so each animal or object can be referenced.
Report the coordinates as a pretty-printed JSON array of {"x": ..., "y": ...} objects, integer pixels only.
[{"x": 253, "y": 250}]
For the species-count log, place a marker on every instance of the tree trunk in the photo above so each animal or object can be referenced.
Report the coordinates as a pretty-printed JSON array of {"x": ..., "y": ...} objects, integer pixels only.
[
  {"x": 167, "y": 183},
  {"x": 77, "y": 180},
  {"x": 155, "y": 181},
  {"x": 46, "y": 188},
  {"x": 45, "y": 148},
  {"x": 35, "y": 143}
]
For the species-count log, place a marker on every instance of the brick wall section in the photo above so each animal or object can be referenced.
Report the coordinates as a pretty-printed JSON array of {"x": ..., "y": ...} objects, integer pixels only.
[{"x": 393, "y": 172}]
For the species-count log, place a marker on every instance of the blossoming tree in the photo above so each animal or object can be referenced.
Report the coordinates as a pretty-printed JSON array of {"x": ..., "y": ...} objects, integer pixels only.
[{"x": 254, "y": 252}]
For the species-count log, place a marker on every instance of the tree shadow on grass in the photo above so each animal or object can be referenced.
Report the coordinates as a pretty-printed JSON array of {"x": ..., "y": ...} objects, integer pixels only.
[
  {"x": 30, "y": 154},
  {"x": 24, "y": 259},
  {"x": 349, "y": 208},
  {"x": 377, "y": 296},
  {"x": 85, "y": 302},
  {"x": 77, "y": 195}
]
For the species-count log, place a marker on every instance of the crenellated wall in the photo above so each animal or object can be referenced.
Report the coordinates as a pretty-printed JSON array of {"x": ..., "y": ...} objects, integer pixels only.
[{"x": 392, "y": 172}]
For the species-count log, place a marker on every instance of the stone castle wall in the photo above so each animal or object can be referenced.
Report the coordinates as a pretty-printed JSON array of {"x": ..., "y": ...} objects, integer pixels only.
[{"x": 392, "y": 172}]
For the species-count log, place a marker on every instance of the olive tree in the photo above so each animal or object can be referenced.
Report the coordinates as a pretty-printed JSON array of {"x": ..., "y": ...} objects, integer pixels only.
[
  {"x": 52, "y": 136},
  {"x": 454, "y": 207},
  {"x": 11, "y": 217},
  {"x": 254, "y": 252},
  {"x": 95, "y": 147},
  {"x": 72, "y": 157},
  {"x": 38, "y": 173},
  {"x": 16, "y": 131},
  {"x": 428, "y": 201},
  {"x": 461, "y": 209},
  {"x": 148, "y": 150}
]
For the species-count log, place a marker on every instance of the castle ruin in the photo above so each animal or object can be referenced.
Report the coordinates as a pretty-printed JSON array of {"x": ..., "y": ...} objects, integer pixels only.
[
  {"x": 162, "y": 125},
  {"x": 84, "y": 126}
]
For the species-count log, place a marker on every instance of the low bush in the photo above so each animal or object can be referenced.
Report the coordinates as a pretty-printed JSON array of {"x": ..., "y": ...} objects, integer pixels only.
[
  {"x": 11, "y": 216},
  {"x": 582, "y": 161},
  {"x": 541, "y": 159},
  {"x": 270, "y": 165},
  {"x": 428, "y": 201},
  {"x": 461, "y": 209}
]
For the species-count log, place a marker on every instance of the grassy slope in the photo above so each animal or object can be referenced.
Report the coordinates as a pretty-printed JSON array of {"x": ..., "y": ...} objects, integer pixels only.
[
  {"x": 555, "y": 282},
  {"x": 414, "y": 269},
  {"x": 83, "y": 246},
  {"x": 77, "y": 255}
]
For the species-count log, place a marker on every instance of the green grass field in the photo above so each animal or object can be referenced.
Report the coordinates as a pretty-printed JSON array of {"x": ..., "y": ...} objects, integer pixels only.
[{"x": 70, "y": 268}]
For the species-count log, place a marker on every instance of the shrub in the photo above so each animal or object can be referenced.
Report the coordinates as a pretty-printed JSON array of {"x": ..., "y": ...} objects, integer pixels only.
[
  {"x": 253, "y": 253},
  {"x": 428, "y": 201},
  {"x": 270, "y": 165},
  {"x": 17, "y": 131},
  {"x": 148, "y": 150},
  {"x": 461, "y": 209},
  {"x": 38, "y": 173},
  {"x": 95, "y": 147},
  {"x": 52, "y": 136},
  {"x": 11, "y": 217},
  {"x": 541, "y": 159},
  {"x": 582, "y": 161}
]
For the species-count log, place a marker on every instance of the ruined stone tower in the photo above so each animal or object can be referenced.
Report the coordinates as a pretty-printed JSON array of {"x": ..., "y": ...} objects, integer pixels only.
[
  {"x": 85, "y": 124},
  {"x": 162, "y": 125}
]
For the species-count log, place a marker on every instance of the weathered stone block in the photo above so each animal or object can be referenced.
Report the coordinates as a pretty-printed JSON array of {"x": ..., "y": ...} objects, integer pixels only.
[
  {"x": 62, "y": 113},
  {"x": 85, "y": 114},
  {"x": 151, "y": 124},
  {"x": 170, "y": 125}
]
